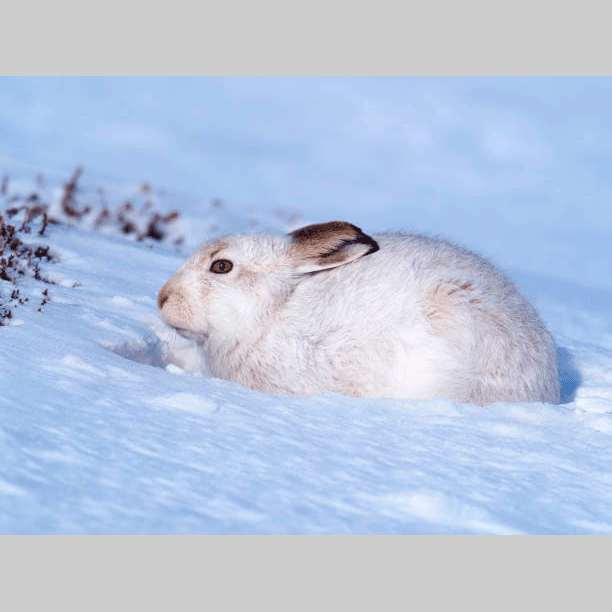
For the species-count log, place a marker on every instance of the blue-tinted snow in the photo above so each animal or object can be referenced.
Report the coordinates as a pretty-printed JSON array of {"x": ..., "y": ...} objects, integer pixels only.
[{"x": 96, "y": 436}]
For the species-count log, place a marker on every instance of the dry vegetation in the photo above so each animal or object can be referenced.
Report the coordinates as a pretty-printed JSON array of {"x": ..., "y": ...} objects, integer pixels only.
[
  {"x": 24, "y": 221},
  {"x": 135, "y": 217}
]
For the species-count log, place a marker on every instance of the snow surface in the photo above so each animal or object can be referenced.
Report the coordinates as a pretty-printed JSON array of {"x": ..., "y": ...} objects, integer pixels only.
[{"x": 107, "y": 424}]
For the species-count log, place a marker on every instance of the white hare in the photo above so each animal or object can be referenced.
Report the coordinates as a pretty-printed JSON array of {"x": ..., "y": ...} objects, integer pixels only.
[{"x": 327, "y": 308}]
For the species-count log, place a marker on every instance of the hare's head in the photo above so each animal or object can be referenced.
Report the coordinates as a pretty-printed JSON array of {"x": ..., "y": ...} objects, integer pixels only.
[{"x": 231, "y": 286}]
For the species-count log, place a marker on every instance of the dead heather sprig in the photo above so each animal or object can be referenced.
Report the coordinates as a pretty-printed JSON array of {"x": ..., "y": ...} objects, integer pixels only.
[
  {"x": 156, "y": 227},
  {"x": 69, "y": 205},
  {"x": 18, "y": 259}
]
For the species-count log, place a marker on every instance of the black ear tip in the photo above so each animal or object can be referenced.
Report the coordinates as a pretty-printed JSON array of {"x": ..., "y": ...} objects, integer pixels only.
[
  {"x": 365, "y": 239},
  {"x": 373, "y": 244}
]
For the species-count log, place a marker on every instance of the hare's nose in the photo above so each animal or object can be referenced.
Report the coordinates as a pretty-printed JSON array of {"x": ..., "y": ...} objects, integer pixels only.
[{"x": 163, "y": 296}]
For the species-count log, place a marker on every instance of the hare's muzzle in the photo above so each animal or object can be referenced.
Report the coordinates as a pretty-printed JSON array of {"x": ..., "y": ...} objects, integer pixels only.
[{"x": 163, "y": 296}]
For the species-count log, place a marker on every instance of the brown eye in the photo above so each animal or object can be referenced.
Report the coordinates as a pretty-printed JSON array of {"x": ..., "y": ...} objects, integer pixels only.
[{"x": 221, "y": 266}]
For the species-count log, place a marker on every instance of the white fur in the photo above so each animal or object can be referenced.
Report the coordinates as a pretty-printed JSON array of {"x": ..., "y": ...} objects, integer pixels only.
[{"x": 418, "y": 318}]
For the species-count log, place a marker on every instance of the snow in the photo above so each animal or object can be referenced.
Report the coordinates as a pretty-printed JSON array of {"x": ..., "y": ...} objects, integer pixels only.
[{"x": 109, "y": 424}]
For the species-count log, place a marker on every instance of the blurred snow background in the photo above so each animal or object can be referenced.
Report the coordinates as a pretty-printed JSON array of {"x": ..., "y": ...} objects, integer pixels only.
[{"x": 507, "y": 165}]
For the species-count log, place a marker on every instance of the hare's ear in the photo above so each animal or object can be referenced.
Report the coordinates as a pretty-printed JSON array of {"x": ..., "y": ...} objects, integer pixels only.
[{"x": 327, "y": 245}]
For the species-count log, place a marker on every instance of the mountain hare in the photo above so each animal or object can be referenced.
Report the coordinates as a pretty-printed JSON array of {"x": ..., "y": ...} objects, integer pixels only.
[{"x": 328, "y": 308}]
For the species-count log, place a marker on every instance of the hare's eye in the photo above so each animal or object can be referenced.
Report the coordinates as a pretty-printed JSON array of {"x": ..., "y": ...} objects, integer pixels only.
[{"x": 221, "y": 266}]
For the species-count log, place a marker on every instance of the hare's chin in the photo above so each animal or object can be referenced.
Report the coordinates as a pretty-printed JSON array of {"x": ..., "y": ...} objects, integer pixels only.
[{"x": 190, "y": 335}]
